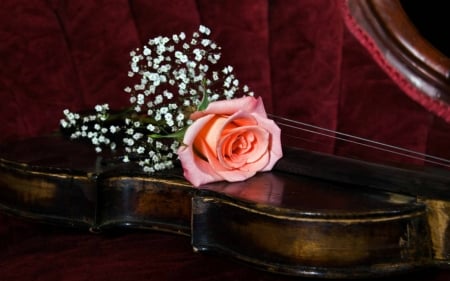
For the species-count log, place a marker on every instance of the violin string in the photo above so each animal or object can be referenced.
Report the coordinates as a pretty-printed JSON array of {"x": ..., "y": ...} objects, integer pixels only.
[
  {"x": 360, "y": 141},
  {"x": 366, "y": 145}
]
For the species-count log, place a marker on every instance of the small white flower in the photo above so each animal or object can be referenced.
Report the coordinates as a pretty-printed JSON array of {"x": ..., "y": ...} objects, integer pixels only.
[
  {"x": 205, "y": 30},
  {"x": 180, "y": 116},
  {"x": 158, "y": 99},
  {"x": 168, "y": 94},
  {"x": 170, "y": 123},
  {"x": 168, "y": 117},
  {"x": 148, "y": 169},
  {"x": 164, "y": 110},
  {"x": 172, "y": 75},
  {"x": 63, "y": 123},
  {"x": 206, "y": 42},
  {"x": 137, "y": 136}
]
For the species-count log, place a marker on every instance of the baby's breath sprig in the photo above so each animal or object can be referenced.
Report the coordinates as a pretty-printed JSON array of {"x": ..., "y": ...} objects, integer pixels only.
[{"x": 175, "y": 76}]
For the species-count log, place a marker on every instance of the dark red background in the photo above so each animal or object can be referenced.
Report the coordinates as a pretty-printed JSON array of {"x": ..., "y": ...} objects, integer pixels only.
[{"x": 299, "y": 55}]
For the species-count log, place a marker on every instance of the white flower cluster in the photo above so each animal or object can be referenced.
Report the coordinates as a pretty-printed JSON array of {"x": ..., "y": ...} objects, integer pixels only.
[{"x": 175, "y": 77}]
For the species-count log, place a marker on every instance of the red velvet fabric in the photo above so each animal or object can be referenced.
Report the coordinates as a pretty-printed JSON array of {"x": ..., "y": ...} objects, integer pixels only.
[{"x": 299, "y": 55}]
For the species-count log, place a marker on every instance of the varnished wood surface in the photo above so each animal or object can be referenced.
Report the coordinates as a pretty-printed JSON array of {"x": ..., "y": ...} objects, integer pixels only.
[{"x": 284, "y": 222}]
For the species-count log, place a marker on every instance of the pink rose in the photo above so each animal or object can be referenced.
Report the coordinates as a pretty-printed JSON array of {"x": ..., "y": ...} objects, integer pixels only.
[{"x": 230, "y": 140}]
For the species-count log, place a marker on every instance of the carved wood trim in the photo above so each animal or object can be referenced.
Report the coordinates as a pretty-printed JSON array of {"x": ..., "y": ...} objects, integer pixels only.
[{"x": 386, "y": 24}]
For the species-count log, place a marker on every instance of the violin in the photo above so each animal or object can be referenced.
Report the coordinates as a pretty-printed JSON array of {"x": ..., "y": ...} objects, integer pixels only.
[{"x": 314, "y": 215}]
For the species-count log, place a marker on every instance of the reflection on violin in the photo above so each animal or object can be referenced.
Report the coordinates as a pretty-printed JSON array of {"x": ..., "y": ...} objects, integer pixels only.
[{"x": 263, "y": 188}]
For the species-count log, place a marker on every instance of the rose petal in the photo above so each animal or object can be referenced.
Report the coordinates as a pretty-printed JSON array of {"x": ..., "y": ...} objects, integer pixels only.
[
  {"x": 231, "y": 175},
  {"x": 253, "y": 152},
  {"x": 210, "y": 134},
  {"x": 196, "y": 170},
  {"x": 194, "y": 129},
  {"x": 276, "y": 151},
  {"x": 229, "y": 107}
]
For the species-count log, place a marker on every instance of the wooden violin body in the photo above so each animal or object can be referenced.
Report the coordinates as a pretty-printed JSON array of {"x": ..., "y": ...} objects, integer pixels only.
[{"x": 280, "y": 221}]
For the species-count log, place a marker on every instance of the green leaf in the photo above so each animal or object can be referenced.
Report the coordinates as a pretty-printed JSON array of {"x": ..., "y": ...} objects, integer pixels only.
[
  {"x": 178, "y": 135},
  {"x": 204, "y": 103}
]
